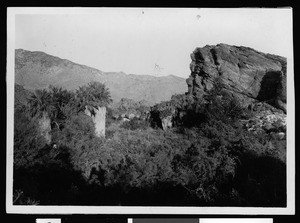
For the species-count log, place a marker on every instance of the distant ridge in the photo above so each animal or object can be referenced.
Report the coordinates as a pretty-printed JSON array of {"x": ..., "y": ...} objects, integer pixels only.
[{"x": 37, "y": 70}]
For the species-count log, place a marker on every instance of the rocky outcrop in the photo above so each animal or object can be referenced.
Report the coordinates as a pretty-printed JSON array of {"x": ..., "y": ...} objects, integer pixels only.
[
  {"x": 249, "y": 74},
  {"x": 162, "y": 115},
  {"x": 255, "y": 79},
  {"x": 266, "y": 119}
]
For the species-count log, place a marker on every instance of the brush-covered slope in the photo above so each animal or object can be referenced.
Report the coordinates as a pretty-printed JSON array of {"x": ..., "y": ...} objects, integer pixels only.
[{"x": 39, "y": 70}]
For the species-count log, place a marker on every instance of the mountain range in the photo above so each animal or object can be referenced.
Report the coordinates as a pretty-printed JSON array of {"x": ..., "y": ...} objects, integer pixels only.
[{"x": 38, "y": 70}]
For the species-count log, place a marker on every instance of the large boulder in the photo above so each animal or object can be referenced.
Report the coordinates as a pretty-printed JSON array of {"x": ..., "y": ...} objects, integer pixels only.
[{"x": 249, "y": 74}]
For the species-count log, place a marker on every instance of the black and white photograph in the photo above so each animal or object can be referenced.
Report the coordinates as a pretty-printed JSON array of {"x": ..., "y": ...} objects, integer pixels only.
[{"x": 150, "y": 110}]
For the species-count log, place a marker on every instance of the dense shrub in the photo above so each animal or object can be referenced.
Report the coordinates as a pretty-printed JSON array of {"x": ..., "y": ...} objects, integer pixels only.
[
  {"x": 140, "y": 158},
  {"x": 208, "y": 158},
  {"x": 20, "y": 198},
  {"x": 109, "y": 119},
  {"x": 51, "y": 179},
  {"x": 85, "y": 147},
  {"x": 146, "y": 159},
  {"x": 42, "y": 173},
  {"x": 27, "y": 140},
  {"x": 202, "y": 170},
  {"x": 134, "y": 124}
]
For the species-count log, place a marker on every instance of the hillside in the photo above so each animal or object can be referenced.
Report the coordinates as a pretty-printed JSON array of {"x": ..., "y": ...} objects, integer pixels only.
[{"x": 39, "y": 70}]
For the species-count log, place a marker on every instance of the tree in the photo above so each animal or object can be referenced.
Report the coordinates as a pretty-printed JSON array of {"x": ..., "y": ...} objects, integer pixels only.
[
  {"x": 93, "y": 99},
  {"x": 40, "y": 106},
  {"x": 40, "y": 103},
  {"x": 93, "y": 96},
  {"x": 64, "y": 106}
]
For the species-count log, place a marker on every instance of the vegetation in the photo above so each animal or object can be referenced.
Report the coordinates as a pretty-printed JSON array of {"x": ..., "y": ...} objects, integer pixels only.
[
  {"x": 207, "y": 159},
  {"x": 92, "y": 96},
  {"x": 135, "y": 124}
]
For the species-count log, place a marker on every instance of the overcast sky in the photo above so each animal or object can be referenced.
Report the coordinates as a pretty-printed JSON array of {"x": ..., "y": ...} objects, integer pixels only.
[{"x": 135, "y": 40}]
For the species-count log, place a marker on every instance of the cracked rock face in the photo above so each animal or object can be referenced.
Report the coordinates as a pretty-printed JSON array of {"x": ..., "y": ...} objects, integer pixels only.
[{"x": 250, "y": 74}]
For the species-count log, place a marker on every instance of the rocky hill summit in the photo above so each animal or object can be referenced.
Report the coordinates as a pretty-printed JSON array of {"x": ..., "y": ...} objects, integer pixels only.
[
  {"x": 245, "y": 72},
  {"x": 38, "y": 70}
]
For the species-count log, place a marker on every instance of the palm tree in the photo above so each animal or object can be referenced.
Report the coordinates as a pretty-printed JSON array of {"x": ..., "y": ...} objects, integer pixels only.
[
  {"x": 40, "y": 107},
  {"x": 93, "y": 99},
  {"x": 63, "y": 104},
  {"x": 93, "y": 96}
]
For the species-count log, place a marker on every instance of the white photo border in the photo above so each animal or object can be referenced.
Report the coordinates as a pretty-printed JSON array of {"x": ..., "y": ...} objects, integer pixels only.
[{"x": 40, "y": 209}]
